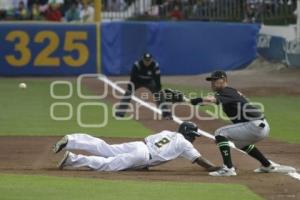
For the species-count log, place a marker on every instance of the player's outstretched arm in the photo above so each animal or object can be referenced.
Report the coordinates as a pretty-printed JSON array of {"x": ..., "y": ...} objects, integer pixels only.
[
  {"x": 203, "y": 100},
  {"x": 176, "y": 96},
  {"x": 206, "y": 164}
]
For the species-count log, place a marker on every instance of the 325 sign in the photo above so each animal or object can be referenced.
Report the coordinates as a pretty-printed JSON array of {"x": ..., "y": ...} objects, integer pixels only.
[{"x": 53, "y": 50}]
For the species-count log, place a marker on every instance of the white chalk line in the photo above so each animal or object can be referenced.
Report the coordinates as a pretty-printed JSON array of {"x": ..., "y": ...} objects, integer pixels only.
[{"x": 103, "y": 78}]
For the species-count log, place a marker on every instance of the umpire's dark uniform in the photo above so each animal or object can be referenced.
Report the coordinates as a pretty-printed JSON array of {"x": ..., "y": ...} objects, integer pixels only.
[{"x": 144, "y": 73}]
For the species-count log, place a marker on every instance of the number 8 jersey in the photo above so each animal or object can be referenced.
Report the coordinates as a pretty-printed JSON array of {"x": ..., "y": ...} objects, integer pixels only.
[{"x": 167, "y": 145}]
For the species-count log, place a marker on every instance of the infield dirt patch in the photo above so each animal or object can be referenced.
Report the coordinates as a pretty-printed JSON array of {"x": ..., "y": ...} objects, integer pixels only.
[{"x": 32, "y": 155}]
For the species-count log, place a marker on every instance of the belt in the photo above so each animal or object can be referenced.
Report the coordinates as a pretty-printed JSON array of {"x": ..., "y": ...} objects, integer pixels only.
[
  {"x": 262, "y": 125},
  {"x": 150, "y": 156}
]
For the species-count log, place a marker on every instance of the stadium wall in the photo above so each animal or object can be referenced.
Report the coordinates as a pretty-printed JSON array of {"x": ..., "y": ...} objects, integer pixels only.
[
  {"x": 280, "y": 44},
  {"x": 47, "y": 49},
  {"x": 181, "y": 48}
]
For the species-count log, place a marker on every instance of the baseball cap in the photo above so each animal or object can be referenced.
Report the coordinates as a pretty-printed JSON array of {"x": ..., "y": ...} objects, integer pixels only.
[
  {"x": 216, "y": 75},
  {"x": 147, "y": 56}
]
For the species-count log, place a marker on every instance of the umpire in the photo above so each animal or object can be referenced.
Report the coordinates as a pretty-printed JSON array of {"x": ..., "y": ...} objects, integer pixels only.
[{"x": 145, "y": 73}]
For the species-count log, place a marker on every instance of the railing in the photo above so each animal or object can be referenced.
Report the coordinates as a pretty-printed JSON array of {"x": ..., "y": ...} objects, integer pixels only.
[
  {"x": 120, "y": 10},
  {"x": 281, "y": 11},
  {"x": 230, "y": 10}
]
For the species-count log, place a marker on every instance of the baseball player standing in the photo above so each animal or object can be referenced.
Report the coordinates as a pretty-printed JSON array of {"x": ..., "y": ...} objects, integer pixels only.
[
  {"x": 144, "y": 73},
  {"x": 249, "y": 126},
  {"x": 154, "y": 150}
]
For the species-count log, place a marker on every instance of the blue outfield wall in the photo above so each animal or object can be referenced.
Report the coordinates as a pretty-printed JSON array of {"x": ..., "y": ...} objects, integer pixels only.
[
  {"x": 271, "y": 47},
  {"x": 279, "y": 49},
  {"x": 47, "y": 49},
  {"x": 181, "y": 48}
]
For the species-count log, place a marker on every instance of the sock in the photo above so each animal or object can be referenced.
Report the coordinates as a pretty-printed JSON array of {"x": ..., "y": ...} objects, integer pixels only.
[
  {"x": 255, "y": 153},
  {"x": 223, "y": 144}
]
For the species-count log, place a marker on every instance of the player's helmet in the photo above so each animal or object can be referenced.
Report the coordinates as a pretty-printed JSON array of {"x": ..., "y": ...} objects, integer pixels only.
[
  {"x": 189, "y": 130},
  {"x": 147, "y": 57},
  {"x": 216, "y": 75}
]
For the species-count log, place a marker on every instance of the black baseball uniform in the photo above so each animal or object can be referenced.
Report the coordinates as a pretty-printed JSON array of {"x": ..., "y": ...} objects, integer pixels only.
[
  {"x": 249, "y": 125},
  {"x": 236, "y": 106},
  {"x": 144, "y": 76}
]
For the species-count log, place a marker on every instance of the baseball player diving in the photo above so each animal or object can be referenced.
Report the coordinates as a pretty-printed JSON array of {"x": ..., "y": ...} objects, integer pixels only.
[
  {"x": 145, "y": 73},
  {"x": 249, "y": 125},
  {"x": 154, "y": 150}
]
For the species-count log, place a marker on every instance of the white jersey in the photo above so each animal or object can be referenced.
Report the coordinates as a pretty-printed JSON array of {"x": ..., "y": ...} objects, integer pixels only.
[{"x": 167, "y": 145}]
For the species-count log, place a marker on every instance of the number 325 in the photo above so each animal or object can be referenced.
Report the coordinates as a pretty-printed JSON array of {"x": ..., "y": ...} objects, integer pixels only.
[{"x": 73, "y": 42}]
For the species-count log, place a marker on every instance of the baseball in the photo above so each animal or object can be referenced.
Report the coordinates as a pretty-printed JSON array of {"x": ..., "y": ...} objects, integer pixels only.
[{"x": 22, "y": 85}]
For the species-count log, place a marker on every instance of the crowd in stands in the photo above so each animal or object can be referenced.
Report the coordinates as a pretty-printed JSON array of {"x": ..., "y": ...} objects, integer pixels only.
[
  {"x": 251, "y": 10},
  {"x": 49, "y": 10},
  {"x": 83, "y": 10},
  {"x": 116, "y": 5},
  {"x": 255, "y": 8}
]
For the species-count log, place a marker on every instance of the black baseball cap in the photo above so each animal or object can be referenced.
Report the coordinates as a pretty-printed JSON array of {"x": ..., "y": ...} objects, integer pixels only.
[
  {"x": 147, "y": 56},
  {"x": 216, "y": 75}
]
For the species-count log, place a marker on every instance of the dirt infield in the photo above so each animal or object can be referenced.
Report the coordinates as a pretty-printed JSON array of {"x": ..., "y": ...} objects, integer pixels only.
[{"x": 32, "y": 155}]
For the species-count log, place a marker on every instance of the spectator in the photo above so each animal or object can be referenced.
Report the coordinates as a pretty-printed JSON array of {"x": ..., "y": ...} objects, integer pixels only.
[
  {"x": 16, "y": 3},
  {"x": 21, "y": 12},
  {"x": 6, "y": 9},
  {"x": 251, "y": 13},
  {"x": 53, "y": 13},
  {"x": 73, "y": 13},
  {"x": 2, "y": 14},
  {"x": 60, "y": 2},
  {"x": 87, "y": 12},
  {"x": 197, "y": 8},
  {"x": 116, "y": 5},
  {"x": 3, "y": 9},
  {"x": 38, "y": 2},
  {"x": 35, "y": 12},
  {"x": 176, "y": 14}
]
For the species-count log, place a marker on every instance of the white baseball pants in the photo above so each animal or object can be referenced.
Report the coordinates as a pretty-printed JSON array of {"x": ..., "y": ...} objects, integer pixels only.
[{"x": 117, "y": 157}]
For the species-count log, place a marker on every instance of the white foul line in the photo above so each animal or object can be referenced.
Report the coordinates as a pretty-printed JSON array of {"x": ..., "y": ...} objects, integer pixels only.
[{"x": 176, "y": 119}]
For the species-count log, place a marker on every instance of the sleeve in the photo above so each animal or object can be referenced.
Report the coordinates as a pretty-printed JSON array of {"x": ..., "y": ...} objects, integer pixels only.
[
  {"x": 156, "y": 75},
  {"x": 226, "y": 96},
  {"x": 189, "y": 152},
  {"x": 134, "y": 73}
]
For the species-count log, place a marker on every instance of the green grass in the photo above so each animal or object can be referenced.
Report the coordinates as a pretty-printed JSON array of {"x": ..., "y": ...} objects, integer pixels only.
[
  {"x": 27, "y": 112},
  {"x": 13, "y": 187},
  {"x": 282, "y": 112}
]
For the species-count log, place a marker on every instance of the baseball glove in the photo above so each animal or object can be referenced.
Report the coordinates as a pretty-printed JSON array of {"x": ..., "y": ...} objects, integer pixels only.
[{"x": 171, "y": 95}]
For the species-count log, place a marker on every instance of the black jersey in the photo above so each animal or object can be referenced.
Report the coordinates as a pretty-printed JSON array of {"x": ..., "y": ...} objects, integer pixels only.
[
  {"x": 236, "y": 106},
  {"x": 141, "y": 74}
]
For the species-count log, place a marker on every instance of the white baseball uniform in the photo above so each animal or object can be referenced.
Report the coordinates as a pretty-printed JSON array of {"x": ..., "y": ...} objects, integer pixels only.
[{"x": 156, "y": 149}]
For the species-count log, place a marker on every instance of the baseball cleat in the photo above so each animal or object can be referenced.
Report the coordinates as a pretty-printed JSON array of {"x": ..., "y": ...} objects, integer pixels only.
[
  {"x": 119, "y": 115},
  {"x": 58, "y": 146},
  {"x": 167, "y": 116},
  {"x": 275, "y": 168},
  {"x": 63, "y": 162},
  {"x": 224, "y": 171}
]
